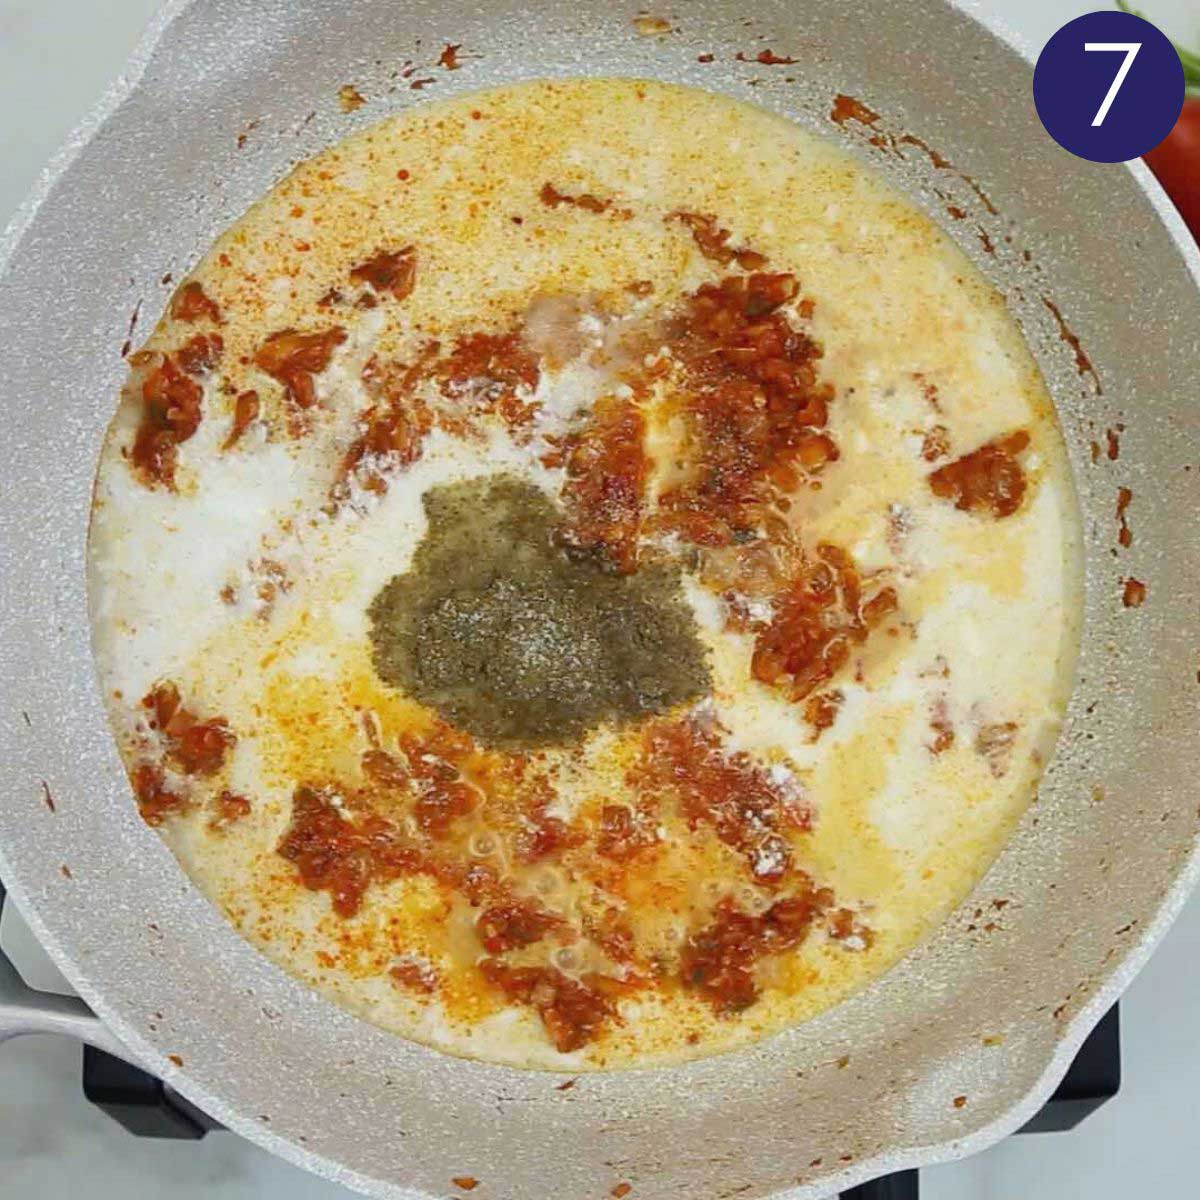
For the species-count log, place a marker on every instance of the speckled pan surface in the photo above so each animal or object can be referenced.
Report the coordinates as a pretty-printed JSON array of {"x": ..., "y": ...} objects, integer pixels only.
[{"x": 993, "y": 1006}]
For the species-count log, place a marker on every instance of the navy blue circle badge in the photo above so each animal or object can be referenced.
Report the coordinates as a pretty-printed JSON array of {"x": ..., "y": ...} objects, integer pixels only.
[{"x": 1108, "y": 86}]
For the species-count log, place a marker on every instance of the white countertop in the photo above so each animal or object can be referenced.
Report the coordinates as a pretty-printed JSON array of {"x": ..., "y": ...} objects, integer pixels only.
[{"x": 56, "y": 56}]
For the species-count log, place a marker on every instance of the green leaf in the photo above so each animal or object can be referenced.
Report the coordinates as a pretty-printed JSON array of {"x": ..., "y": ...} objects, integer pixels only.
[{"x": 1190, "y": 61}]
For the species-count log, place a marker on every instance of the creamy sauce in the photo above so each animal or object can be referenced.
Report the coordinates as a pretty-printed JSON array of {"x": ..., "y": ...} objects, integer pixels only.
[{"x": 248, "y": 583}]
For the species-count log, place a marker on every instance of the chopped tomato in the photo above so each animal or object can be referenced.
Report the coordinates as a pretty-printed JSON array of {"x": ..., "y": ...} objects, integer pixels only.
[{"x": 1176, "y": 163}]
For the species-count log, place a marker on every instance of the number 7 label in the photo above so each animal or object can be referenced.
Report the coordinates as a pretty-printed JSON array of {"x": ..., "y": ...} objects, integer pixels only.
[
  {"x": 1090, "y": 61},
  {"x": 1130, "y": 50}
]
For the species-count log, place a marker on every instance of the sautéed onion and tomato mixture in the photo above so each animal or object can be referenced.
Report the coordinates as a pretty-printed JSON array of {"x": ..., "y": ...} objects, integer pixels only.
[{"x": 584, "y": 575}]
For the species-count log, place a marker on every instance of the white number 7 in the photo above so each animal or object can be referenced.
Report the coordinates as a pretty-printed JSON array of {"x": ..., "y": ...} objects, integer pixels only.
[{"x": 1130, "y": 50}]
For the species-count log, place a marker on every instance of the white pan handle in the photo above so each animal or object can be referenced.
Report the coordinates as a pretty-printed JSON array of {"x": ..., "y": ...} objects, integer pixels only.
[{"x": 23, "y": 1010}]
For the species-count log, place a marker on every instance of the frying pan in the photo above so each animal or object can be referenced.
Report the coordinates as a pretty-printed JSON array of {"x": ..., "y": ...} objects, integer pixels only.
[{"x": 951, "y": 1050}]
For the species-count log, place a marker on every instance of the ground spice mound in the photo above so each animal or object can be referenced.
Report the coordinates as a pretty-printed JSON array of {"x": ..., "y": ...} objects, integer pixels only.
[{"x": 519, "y": 644}]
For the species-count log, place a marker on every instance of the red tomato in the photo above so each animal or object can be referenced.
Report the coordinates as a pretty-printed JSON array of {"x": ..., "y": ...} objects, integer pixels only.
[{"x": 1176, "y": 162}]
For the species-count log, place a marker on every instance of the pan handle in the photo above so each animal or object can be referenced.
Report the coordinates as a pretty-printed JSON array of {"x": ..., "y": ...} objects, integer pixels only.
[{"x": 24, "y": 1010}]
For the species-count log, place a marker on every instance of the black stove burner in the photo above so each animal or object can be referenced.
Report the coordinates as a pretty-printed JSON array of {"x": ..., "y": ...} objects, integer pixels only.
[
  {"x": 147, "y": 1107},
  {"x": 139, "y": 1101}
]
